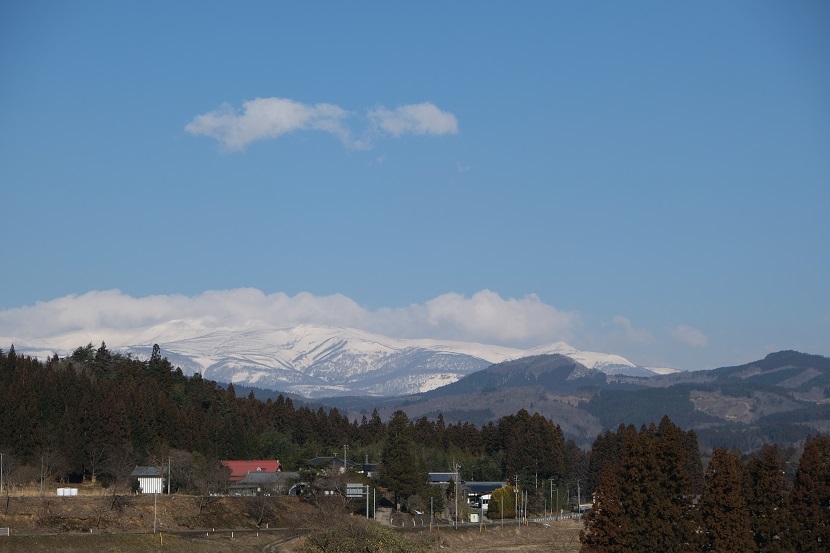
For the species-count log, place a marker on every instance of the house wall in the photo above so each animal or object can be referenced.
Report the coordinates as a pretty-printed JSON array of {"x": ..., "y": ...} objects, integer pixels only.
[{"x": 151, "y": 485}]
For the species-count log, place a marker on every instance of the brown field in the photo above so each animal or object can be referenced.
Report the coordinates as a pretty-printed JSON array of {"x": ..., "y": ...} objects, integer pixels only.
[{"x": 94, "y": 522}]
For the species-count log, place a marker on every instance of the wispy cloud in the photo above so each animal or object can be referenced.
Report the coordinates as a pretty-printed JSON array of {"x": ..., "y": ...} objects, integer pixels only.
[
  {"x": 119, "y": 319},
  {"x": 627, "y": 333},
  {"x": 689, "y": 335},
  {"x": 418, "y": 119},
  {"x": 269, "y": 118}
]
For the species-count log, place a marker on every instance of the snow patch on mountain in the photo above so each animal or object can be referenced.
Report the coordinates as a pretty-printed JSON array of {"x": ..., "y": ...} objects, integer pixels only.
[{"x": 319, "y": 361}]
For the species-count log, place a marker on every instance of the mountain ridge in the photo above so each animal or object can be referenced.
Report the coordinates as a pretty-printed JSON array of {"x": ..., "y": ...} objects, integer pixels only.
[{"x": 323, "y": 361}]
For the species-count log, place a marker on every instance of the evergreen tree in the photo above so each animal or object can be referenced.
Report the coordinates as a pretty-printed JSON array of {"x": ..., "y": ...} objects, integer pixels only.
[
  {"x": 765, "y": 491},
  {"x": 810, "y": 501},
  {"x": 722, "y": 507},
  {"x": 646, "y": 491},
  {"x": 607, "y": 528},
  {"x": 678, "y": 470},
  {"x": 636, "y": 478},
  {"x": 400, "y": 469},
  {"x": 604, "y": 451}
]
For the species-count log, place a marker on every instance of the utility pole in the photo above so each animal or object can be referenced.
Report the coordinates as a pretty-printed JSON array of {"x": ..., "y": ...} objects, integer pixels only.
[
  {"x": 516, "y": 494},
  {"x": 169, "y": 470},
  {"x": 457, "y": 468},
  {"x": 551, "y": 496},
  {"x": 1, "y": 472},
  {"x": 345, "y": 456},
  {"x": 578, "y": 498}
]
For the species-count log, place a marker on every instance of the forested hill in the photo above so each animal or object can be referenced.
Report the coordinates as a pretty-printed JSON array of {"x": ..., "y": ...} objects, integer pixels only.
[
  {"x": 553, "y": 372},
  {"x": 81, "y": 414},
  {"x": 780, "y": 399}
]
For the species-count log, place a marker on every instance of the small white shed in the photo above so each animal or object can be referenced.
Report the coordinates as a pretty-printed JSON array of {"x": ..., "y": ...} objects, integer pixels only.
[{"x": 149, "y": 479}]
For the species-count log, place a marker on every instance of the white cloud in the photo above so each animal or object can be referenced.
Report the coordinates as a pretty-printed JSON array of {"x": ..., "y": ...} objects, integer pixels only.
[
  {"x": 689, "y": 335},
  {"x": 626, "y": 332},
  {"x": 264, "y": 118},
  {"x": 119, "y": 319},
  {"x": 268, "y": 118},
  {"x": 418, "y": 119},
  {"x": 484, "y": 317}
]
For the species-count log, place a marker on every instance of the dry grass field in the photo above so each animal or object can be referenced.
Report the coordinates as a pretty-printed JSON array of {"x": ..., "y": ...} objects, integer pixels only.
[{"x": 93, "y": 522}]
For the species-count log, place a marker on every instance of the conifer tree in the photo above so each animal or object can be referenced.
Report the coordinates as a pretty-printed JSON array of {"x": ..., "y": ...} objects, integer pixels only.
[
  {"x": 766, "y": 492},
  {"x": 607, "y": 528},
  {"x": 678, "y": 470},
  {"x": 810, "y": 501},
  {"x": 400, "y": 469},
  {"x": 636, "y": 474},
  {"x": 722, "y": 507}
]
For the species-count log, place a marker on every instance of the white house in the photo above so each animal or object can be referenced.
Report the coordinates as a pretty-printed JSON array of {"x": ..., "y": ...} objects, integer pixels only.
[{"x": 149, "y": 479}]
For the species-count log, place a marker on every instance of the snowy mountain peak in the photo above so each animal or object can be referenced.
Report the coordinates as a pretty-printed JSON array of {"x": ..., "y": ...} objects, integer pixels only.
[{"x": 319, "y": 361}]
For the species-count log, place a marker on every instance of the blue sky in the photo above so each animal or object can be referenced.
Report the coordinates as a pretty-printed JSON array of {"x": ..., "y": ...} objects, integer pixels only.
[{"x": 645, "y": 178}]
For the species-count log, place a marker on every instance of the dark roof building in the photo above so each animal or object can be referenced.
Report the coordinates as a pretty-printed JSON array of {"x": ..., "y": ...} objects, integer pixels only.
[
  {"x": 441, "y": 477},
  {"x": 146, "y": 472},
  {"x": 333, "y": 462}
]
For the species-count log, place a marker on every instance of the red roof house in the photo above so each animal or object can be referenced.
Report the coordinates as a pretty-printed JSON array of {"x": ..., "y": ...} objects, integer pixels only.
[{"x": 240, "y": 469}]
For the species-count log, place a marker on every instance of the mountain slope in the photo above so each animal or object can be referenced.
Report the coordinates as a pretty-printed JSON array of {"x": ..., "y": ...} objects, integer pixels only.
[
  {"x": 318, "y": 361},
  {"x": 779, "y": 399}
]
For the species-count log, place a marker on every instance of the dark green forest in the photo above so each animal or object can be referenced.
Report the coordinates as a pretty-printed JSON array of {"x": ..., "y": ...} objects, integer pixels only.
[
  {"x": 654, "y": 494},
  {"x": 81, "y": 415}
]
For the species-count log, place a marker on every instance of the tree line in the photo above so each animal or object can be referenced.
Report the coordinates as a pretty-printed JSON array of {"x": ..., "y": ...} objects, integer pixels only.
[
  {"x": 654, "y": 494},
  {"x": 82, "y": 416}
]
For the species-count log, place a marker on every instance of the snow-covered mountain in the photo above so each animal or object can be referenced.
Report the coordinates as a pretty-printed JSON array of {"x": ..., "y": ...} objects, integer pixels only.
[{"x": 319, "y": 361}]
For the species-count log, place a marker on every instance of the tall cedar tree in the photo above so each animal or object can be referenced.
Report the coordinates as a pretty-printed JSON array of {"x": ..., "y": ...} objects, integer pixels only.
[
  {"x": 607, "y": 528},
  {"x": 810, "y": 502},
  {"x": 722, "y": 507},
  {"x": 654, "y": 480},
  {"x": 679, "y": 480},
  {"x": 766, "y": 492},
  {"x": 605, "y": 450},
  {"x": 638, "y": 489},
  {"x": 400, "y": 469}
]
